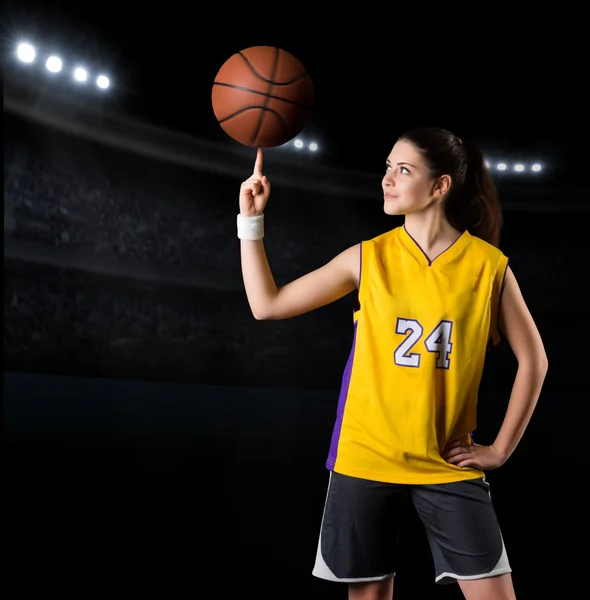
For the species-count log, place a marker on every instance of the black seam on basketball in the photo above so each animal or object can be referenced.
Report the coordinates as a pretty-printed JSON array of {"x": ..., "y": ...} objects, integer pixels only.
[
  {"x": 280, "y": 117},
  {"x": 272, "y": 96},
  {"x": 266, "y": 98},
  {"x": 255, "y": 72}
]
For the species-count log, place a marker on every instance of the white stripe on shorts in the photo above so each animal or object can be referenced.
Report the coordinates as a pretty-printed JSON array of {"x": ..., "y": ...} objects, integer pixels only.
[
  {"x": 323, "y": 571},
  {"x": 502, "y": 566}
]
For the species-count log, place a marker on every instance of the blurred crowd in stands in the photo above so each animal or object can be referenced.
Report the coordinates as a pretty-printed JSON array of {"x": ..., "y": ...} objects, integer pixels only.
[{"x": 118, "y": 265}]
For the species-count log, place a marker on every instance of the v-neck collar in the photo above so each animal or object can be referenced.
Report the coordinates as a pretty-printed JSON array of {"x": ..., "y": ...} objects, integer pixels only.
[{"x": 444, "y": 257}]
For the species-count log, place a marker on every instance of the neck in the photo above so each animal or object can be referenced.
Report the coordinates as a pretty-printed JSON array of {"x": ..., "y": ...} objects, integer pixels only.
[{"x": 430, "y": 230}]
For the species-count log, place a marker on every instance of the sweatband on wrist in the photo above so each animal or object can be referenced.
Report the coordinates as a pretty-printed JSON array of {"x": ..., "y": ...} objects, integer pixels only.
[{"x": 250, "y": 228}]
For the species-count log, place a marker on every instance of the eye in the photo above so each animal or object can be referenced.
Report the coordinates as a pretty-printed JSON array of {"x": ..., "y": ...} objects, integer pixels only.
[{"x": 403, "y": 170}]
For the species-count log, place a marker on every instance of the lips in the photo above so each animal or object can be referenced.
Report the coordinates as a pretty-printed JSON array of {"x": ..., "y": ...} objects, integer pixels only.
[{"x": 389, "y": 196}]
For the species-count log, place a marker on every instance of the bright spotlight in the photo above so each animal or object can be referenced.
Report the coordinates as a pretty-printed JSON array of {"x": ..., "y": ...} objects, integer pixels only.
[
  {"x": 501, "y": 167},
  {"x": 102, "y": 82},
  {"x": 80, "y": 74},
  {"x": 536, "y": 167},
  {"x": 313, "y": 146},
  {"x": 298, "y": 144},
  {"x": 519, "y": 168},
  {"x": 53, "y": 64},
  {"x": 25, "y": 52}
]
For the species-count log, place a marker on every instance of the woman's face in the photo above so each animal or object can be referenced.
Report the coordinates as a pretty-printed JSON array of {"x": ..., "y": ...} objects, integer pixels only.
[{"x": 407, "y": 184}]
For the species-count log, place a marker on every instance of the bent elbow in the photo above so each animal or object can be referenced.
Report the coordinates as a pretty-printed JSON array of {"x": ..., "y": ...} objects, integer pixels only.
[
  {"x": 261, "y": 314},
  {"x": 538, "y": 364},
  {"x": 544, "y": 363}
]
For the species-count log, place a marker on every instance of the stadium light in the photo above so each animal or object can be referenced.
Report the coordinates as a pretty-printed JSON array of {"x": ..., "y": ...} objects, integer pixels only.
[
  {"x": 53, "y": 64},
  {"x": 80, "y": 74},
  {"x": 26, "y": 52},
  {"x": 517, "y": 167},
  {"x": 102, "y": 82}
]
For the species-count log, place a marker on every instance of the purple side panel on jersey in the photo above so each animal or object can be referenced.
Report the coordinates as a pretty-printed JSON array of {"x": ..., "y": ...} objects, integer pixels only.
[{"x": 341, "y": 405}]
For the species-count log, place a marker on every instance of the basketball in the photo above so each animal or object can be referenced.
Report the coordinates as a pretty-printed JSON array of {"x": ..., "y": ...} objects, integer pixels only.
[{"x": 262, "y": 96}]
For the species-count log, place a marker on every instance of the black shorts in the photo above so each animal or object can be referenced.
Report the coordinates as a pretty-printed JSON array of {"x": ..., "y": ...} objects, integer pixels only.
[{"x": 361, "y": 522}]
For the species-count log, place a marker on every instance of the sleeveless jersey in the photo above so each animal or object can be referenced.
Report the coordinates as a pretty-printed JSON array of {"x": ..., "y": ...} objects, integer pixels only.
[{"x": 419, "y": 343}]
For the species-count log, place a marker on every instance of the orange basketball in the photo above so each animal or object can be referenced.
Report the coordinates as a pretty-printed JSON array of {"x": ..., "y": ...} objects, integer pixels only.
[{"x": 262, "y": 96}]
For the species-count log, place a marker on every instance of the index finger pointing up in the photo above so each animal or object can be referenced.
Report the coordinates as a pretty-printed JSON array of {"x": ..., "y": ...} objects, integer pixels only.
[{"x": 258, "y": 163}]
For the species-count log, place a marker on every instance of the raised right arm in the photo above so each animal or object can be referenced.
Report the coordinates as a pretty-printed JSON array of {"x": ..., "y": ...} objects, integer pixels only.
[{"x": 318, "y": 288}]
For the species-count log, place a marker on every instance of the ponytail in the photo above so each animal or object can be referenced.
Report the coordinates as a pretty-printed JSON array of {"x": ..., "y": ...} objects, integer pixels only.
[
  {"x": 474, "y": 205},
  {"x": 472, "y": 202}
]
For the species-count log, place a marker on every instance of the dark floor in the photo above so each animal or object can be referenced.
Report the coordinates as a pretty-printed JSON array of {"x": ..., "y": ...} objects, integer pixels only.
[{"x": 184, "y": 492}]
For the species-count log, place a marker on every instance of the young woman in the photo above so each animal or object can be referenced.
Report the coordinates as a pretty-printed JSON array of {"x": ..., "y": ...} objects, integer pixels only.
[{"x": 432, "y": 294}]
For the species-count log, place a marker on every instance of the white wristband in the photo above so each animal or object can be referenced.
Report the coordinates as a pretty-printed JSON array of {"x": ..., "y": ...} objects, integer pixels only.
[{"x": 250, "y": 228}]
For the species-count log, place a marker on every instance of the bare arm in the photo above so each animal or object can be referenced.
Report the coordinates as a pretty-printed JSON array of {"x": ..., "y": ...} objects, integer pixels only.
[
  {"x": 524, "y": 339},
  {"x": 318, "y": 288},
  {"x": 327, "y": 284}
]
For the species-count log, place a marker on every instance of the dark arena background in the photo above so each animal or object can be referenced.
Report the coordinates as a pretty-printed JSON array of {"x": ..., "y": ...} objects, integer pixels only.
[{"x": 158, "y": 441}]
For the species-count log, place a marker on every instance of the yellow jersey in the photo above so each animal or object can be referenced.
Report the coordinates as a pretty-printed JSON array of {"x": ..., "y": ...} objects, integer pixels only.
[{"x": 419, "y": 343}]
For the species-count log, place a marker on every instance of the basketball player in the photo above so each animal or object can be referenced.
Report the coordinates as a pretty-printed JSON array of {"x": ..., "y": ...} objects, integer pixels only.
[{"x": 432, "y": 294}]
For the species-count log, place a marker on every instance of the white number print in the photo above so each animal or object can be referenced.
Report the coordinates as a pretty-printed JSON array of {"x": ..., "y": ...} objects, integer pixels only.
[
  {"x": 439, "y": 342},
  {"x": 401, "y": 355}
]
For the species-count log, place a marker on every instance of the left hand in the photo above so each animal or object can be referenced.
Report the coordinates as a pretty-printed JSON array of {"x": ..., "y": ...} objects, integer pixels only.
[{"x": 463, "y": 454}]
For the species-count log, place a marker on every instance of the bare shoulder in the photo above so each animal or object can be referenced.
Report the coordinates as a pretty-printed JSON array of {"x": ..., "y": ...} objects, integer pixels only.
[
  {"x": 349, "y": 260},
  {"x": 511, "y": 286},
  {"x": 512, "y": 298},
  {"x": 518, "y": 323}
]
